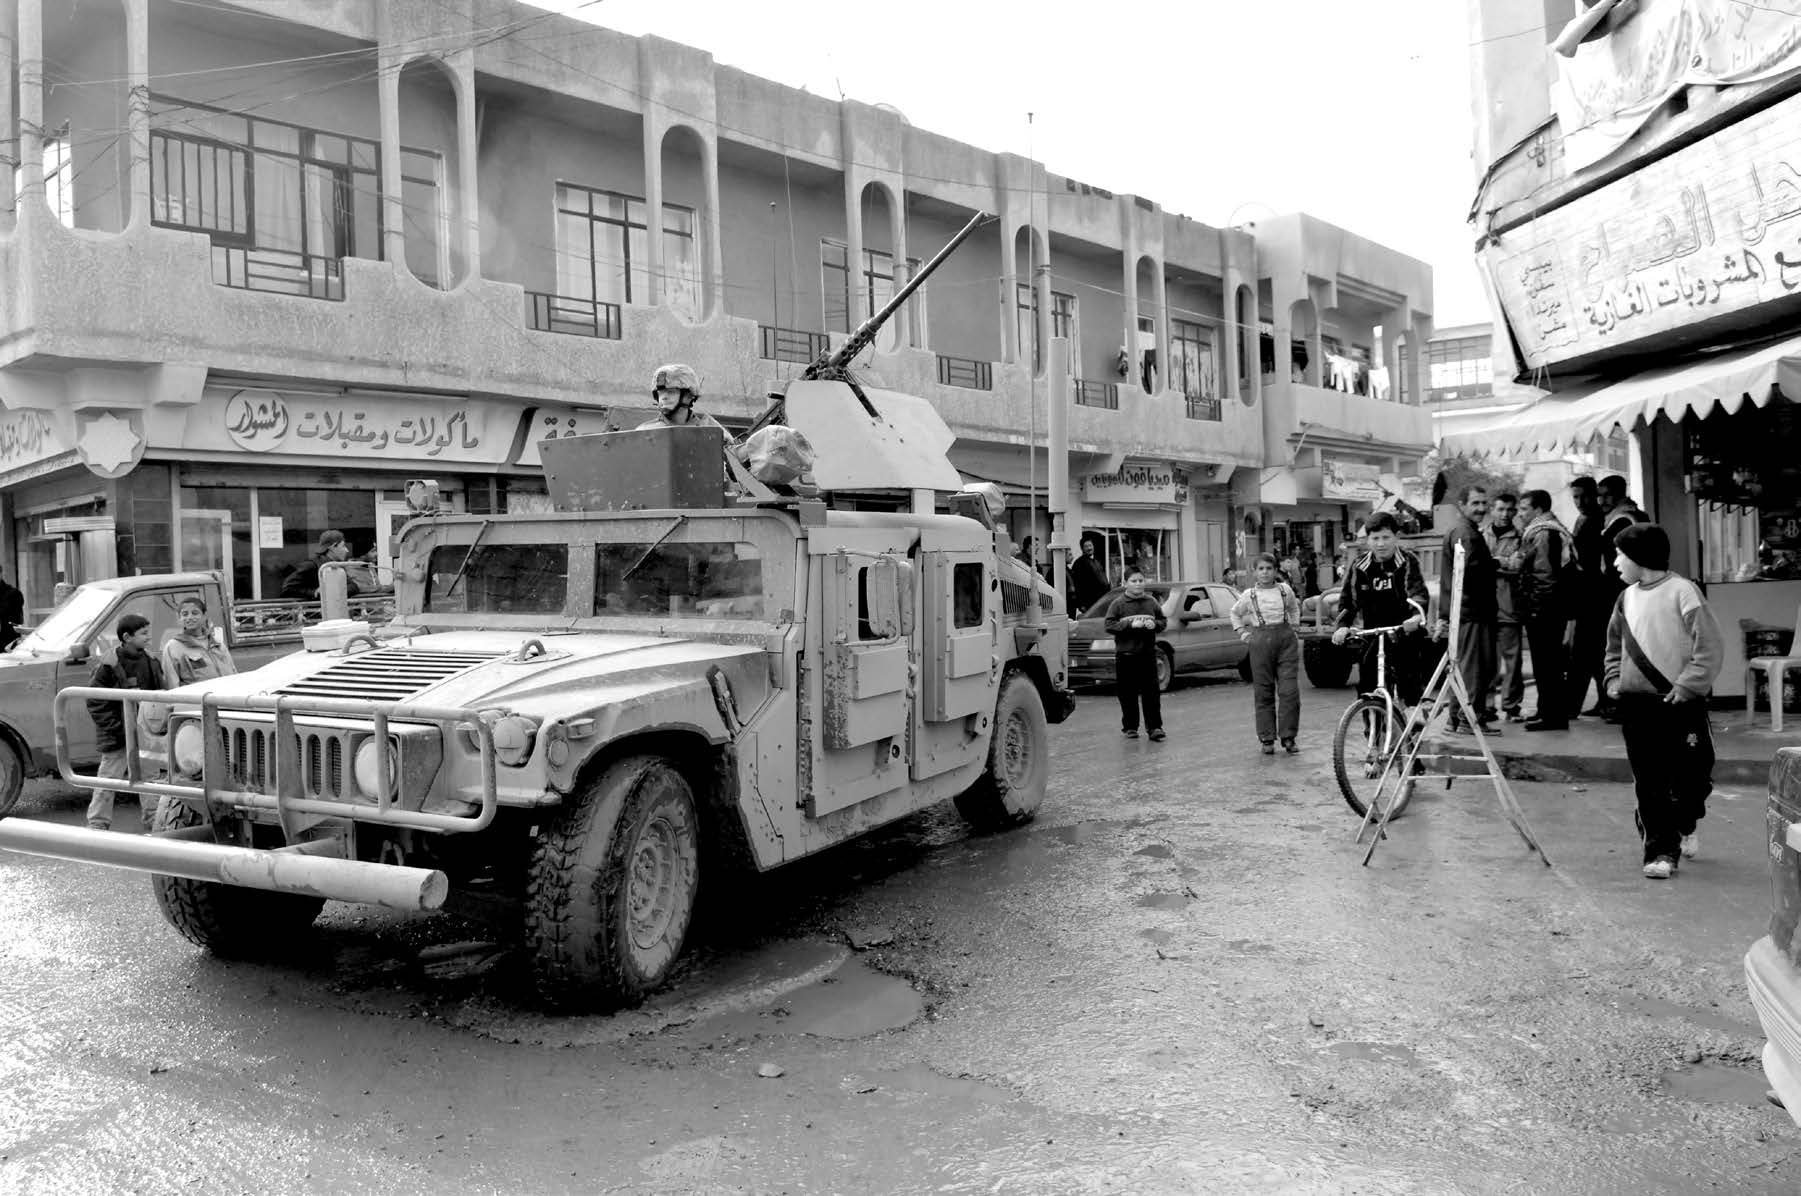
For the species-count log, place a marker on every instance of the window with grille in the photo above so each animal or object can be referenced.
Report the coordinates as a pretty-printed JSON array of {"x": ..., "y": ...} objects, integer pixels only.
[
  {"x": 879, "y": 285},
  {"x": 1063, "y": 324},
  {"x": 603, "y": 250}
]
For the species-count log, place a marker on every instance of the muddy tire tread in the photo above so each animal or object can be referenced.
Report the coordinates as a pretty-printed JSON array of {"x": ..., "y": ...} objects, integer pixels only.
[
  {"x": 227, "y": 920},
  {"x": 12, "y": 777},
  {"x": 984, "y": 804}
]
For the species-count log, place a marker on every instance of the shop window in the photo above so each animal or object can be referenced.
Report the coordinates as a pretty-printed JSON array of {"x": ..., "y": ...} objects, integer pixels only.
[
  {"x": 504, "y": 579},
  {"x": 705, "y": 579},
  {"x": 1120, "y": 550},
  {"x": 966, "y": 595},
  {"x": 298, "y": 518},
  {"x": 216, "y": 533}
]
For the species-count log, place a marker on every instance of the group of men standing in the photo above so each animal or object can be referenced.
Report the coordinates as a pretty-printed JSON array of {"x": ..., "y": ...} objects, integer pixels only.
[{"x": 1531, "y": 584}]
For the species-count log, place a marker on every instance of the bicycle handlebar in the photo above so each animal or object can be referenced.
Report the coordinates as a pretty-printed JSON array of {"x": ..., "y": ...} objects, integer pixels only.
[{"x": 1360, "y": 632}]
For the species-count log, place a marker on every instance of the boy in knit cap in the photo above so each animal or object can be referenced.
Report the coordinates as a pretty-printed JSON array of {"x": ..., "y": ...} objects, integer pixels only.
[{"x": 1663, "y": 652}]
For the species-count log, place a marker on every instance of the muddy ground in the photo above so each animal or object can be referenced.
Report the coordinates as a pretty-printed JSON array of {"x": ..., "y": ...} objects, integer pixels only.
[{"x": 1179, "y": 979}]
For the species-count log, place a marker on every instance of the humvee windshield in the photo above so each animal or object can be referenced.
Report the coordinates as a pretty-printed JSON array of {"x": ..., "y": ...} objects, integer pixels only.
[
  {"x": 530, "y": 579},
  {"x": 702, "y": 579}
]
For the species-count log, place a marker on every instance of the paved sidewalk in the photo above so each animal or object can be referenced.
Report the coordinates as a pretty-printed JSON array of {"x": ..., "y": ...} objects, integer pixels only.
[{"x": 1592, "y": 750}]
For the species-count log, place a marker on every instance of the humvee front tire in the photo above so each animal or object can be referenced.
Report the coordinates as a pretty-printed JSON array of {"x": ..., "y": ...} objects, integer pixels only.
[
  {"x": 1012, "y": 786},
  {"x": 227, "y": 920},
  {"x": 612, "y": 886}
]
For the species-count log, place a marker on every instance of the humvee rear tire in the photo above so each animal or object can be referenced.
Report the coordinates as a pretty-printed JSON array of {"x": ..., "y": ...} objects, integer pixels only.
[
  {"x": 612, "y": 886},
  {"x": 1011, "y": 787},
  {"x": 227, "y": 920}
]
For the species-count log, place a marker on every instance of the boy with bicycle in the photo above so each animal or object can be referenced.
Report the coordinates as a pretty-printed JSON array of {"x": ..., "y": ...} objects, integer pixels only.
[{"x": 1387, "y": 586}]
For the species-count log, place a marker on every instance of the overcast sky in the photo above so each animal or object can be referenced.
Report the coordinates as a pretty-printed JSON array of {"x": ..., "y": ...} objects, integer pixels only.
[{"x": 1356, "y": 111}]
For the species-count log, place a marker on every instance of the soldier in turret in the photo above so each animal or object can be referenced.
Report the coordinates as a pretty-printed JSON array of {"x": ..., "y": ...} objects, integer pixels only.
[{"x": 675, "y": 388}]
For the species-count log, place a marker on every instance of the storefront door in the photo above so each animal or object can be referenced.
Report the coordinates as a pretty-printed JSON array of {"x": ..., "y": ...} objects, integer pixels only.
[{"x": 206, "y": 542}]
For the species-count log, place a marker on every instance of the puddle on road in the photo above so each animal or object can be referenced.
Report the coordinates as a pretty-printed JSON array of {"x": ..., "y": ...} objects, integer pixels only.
[
  {"x": 1251, "y": 946},
  {"x": 1659, "y": 1009},
  {"x": 1161, "y": 938},
  {"x": 1377, "y": 1052},
  {"x": 854, "y": 1001},
  {"x": 1716, "y": 1084},
  {"x": 1156, "y": 851},
  {"x": 920, "y": 1079},
  {"x": 1162, "y": 901}
]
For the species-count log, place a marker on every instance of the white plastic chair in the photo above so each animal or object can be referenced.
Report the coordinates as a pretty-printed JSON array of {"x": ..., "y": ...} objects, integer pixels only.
[{"x": 1776, "y": 669}]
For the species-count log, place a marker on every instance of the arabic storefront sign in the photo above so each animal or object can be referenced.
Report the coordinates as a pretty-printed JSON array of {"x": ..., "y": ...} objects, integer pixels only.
[
  {"x": 1709, "y": 230},
  {"x": 1613, "y": 84},
  {"x": 1350, "y": 481},
  {"x": 394, "y": 428},
  {"x": 27, "y": 437},
  {"x": 1132, "y": 484},
  {"x": 554, "y": 423}
]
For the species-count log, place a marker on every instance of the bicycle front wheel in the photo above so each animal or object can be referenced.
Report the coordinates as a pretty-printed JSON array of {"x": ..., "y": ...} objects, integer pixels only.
[{"x": 1360, "y": 751}]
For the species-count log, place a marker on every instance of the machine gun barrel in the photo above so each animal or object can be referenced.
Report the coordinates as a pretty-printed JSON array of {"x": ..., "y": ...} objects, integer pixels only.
[{"x": 832, "y": 362}]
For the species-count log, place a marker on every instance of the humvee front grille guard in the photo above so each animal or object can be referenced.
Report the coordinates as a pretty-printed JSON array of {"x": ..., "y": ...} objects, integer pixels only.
[{"x": 290, "y": 796}]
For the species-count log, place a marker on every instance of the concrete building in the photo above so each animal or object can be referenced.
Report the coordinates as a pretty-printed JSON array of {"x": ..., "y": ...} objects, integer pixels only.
[
  {"x": 1634, "y": 217},
  {"x": 1342, "y": 419},
  {"x": 265, "y": 260}
]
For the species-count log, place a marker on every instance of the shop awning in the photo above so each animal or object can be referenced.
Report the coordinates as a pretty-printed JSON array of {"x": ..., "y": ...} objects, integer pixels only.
[{"x": 1563, "y": 424}]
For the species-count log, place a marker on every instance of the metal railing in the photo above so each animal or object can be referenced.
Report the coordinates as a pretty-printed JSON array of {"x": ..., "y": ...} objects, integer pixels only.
[
  {"x": 1097, "y": 394},
  {"x": 1204, "y": 407},
  {"x": 966, "y": 372},
  {"x": 279, "y": 272},
  {"x": 278, "y": 619},
  {"x": 791, "y": 344},
  {"x": 575, "y": 317}
]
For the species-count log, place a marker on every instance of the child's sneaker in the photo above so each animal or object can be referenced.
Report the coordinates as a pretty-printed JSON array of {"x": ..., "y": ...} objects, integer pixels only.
[
  {"x": 1691, "y": 845},
  {"x": 1131, "y": 732},
  {"x": 1661, "y": 868},
  {"x": 1157, "y": 735}
]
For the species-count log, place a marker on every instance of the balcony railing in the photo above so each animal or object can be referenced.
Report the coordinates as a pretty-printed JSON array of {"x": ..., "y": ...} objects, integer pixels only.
[
  {"x": 1204, "y": 407},
  {"x": 279, "y": 272},
  {"x": 575, "y": 317},
  {"x": 791, "y": 344},
  {"x": 966, "y": 372},
  {"x": 1097, "y": 394}
]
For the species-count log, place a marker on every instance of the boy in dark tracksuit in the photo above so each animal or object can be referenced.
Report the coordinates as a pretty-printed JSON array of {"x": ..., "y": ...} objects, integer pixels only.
[
  {"x": 1386, "y": 587},
  {"x": 131, "y": 666},
  {"x": 1134, "y": 621},
  {"x": 1663, "y": 652}
]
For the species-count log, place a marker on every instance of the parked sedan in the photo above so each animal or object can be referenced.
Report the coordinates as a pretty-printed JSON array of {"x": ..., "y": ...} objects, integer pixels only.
[{"x": 1199, "y": 635}]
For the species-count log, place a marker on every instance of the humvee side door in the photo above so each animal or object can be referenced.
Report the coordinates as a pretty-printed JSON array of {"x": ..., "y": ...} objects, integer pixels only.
[{"x": 959, "y": 617}]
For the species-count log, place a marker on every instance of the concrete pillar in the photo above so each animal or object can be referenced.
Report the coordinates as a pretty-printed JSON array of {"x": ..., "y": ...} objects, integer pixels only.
[
  {"x": 897, "y": 237},
  {"x": 468, "y": 206},
  {"x": 1230, "y": 363},
  {"x": 31, "y": 99},
  {"x": 9, "y": 113},
  {"x": 1421, "y": 328},
  {"x": 1160, "y": 296},
  {"x": 1011, "y": 350},
  {"x": 1393, "y": 324},
  {"x": 1041, "y": 299},
  {"x": 137, "y": 122},
  {"x": 712, "y": 285},
  {"x": 1128, "y": 255},
  {"x": 654, "y": 132},
  {"x": 393, "y": 209},
  {"x": 857, "y": 310}
]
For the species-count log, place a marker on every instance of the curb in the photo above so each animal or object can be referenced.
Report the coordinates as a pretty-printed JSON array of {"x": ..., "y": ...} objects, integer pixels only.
[{"x": 1525, "y": 766}]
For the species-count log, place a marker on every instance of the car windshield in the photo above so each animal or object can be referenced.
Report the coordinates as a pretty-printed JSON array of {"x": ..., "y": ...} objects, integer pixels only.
[
  {"x": 702, "y": 579},
  {"x": 68, "y": 624},
  {"x": 528, "y": 579},
  {"x": 1099, "y": 609}
]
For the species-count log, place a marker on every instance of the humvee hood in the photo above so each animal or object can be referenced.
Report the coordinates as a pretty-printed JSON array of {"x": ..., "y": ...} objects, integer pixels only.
[{"x": 481, "y": 669}]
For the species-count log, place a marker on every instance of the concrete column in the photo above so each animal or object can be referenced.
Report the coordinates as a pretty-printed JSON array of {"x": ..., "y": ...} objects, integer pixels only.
[
  {"x": 9, "y": 113},
  {"x": 1011, "y": 350},
  {"x": 137, "y": 122},
  {"x": 1160, "y": 296},
  {"x": 712, "y": 287},
  {"x": 1422, "y": 333},
  {"x": 897, "y": 237},
  {"x": 31, "y": 100},
  {"x": 468, "y": 206},
  {"x": 393, "y": 209},
  {"x": 1230, "y": 362},
  {"x": 655, "y": 130},
  {"x": 858, "y": 308},
  {"x": 1393, "y": 324},
  {"x": 1128, "y": 253},
  {"x": 1041, "y": 299}
]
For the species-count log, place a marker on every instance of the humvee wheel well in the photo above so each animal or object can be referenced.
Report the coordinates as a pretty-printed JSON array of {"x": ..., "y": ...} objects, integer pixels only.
[
  {"x": 711, "y": 774},
  {"x": 9, "y": 736},
  {"x": 1038, "y": 672}
]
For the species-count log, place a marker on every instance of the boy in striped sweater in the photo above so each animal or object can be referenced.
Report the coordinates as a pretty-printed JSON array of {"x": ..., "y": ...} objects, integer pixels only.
[{"x": 1663, "y": 652}]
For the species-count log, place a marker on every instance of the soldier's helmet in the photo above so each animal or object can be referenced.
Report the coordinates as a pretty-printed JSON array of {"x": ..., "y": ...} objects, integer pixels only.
[{"x": 677, "y": 377}]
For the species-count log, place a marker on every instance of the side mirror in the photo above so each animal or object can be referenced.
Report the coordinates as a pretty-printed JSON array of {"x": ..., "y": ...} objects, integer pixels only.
[{"x": 78, "y": 654}]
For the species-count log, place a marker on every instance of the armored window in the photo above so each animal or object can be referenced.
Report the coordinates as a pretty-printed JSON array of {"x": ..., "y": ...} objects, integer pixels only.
[
  {"x": 966, "y": 594},
  {"x": 507, "y": 579},
  {"x": 704, "y": 579}
]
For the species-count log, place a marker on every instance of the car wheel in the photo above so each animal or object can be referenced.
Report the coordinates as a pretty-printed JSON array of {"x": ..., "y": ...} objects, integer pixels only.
[
  {"x": 1166, "y": 668},
  {"x": 12, "y": 777}
]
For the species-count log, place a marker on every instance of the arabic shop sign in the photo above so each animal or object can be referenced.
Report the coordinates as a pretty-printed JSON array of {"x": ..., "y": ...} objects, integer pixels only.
[
  {"x": 1711, "y": 229},
  {"x": 393, "y": 428},
  {"x": 554, "y": 423},
  {"x": 27, "y": 437},
  {"x": 1131, "y": 484}
]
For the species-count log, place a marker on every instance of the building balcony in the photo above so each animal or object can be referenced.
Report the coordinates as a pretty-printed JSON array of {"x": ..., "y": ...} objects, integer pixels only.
[{"x": 1389, "y": 428}]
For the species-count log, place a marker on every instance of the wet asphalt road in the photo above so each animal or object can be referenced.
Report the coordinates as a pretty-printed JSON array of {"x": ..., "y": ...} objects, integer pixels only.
[{"x": 1178, "y": 980}]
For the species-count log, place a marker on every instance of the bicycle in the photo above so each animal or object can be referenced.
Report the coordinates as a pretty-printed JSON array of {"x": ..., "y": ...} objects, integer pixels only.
[{"x": 1373, "y": 730}]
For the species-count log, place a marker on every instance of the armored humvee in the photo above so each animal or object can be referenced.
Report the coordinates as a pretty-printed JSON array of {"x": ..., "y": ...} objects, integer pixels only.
[{"x": 679, "y": 673}]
